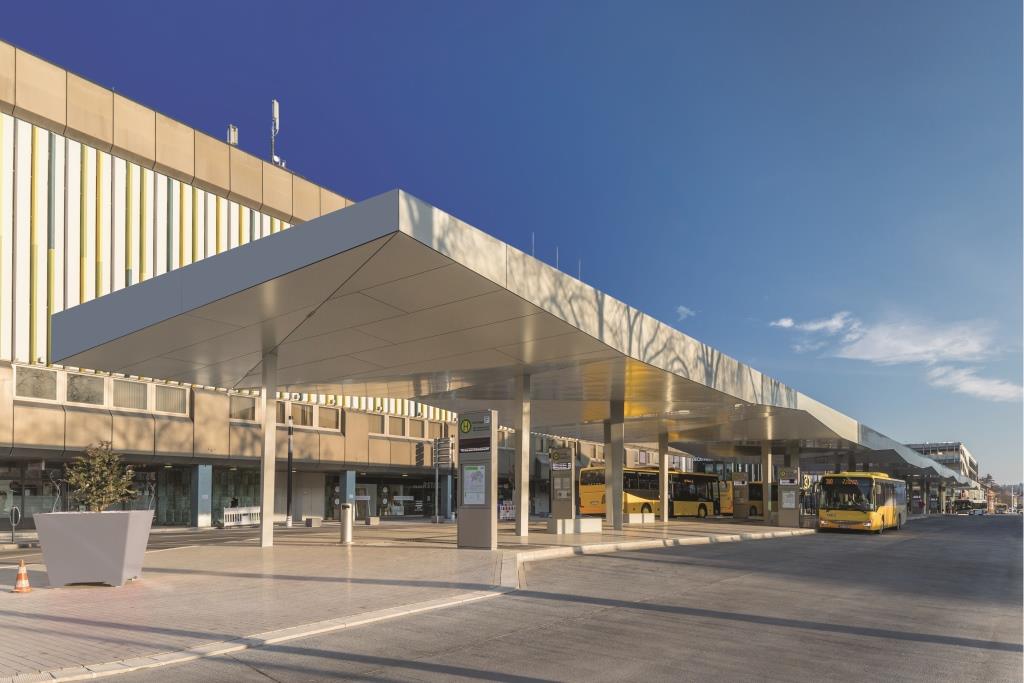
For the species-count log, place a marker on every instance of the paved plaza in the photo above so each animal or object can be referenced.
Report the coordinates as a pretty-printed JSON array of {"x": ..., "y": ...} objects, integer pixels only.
[
  {"x": 824, "y": 607},
  {"x": 202, "y": 594}
]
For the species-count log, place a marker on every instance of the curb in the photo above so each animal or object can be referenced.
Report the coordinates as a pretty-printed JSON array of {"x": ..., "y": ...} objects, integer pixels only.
[
  {"x": 21, "y": 545},
  {"x": 512, "y": 561}
]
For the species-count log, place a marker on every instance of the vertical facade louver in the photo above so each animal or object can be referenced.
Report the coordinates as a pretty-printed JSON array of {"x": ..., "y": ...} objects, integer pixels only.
[{"x": 77, "y": 223}]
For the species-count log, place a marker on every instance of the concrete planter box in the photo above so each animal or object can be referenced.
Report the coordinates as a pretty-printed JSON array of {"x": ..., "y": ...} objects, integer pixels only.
[
  {"x": 93, "y": 547},
  {"x": 580, "y": 525},
  {"x": 638, "y": 518}
]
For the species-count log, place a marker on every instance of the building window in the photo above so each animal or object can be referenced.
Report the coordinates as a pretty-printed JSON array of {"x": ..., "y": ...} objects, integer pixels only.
[
  {"x": 396, "y": 426},
  {"x": 129, "y": 394},
  {"x": 171, "y": 400},
  {"x": 375, "y": 424},
  {"x": 329, "y": 418},
  {"x": 36, "y": 383},
  {"x": 302, "y": 415},
  {"x": 243, "y": 408},
  {"x": 416, "y": 428}
]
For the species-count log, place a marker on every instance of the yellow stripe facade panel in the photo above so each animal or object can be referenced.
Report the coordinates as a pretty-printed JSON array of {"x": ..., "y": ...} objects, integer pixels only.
[
  {"x": 90, "y": 116},
  {"x": 40, "y": 92},
  {"x": 277, "y": 191},
  {"x": 212, "y": 164},
  {"x": 246, "y": 178},
  {"x": 6, "y": 230},
  {"x": 33, "y": 244},
  {"x": 305, "y": 200},
  {"x": 175, "y": 149},
  {"x": 6, "y": 78},
  {"x": 134, "y": 132}
]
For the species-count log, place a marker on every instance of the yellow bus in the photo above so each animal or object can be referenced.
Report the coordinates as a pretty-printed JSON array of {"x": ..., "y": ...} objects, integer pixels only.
[
  {"x": 755, "y": 495},
  {"x": 725, "y": 497},
  {"x": 864, "y": 501},
  {"x": 692, "y": 494}
]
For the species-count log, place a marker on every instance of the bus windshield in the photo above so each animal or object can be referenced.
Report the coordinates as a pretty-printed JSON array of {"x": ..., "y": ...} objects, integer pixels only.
[{"x": 845, "y": 493}]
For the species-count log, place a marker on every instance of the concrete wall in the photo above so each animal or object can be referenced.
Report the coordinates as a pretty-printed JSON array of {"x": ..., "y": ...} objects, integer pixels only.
[
  {"x": 42, "y": 93},
  {"x": 31, "y": 428}
]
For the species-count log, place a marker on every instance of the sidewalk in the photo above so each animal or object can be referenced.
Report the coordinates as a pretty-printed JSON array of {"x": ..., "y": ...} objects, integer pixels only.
[
  {"x": 29, "y": 538},
  {"x": 198, "y": 600}
]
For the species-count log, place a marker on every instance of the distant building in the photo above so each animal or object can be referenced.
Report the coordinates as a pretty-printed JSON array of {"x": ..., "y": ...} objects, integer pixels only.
[{"x": 952, "y": 454}]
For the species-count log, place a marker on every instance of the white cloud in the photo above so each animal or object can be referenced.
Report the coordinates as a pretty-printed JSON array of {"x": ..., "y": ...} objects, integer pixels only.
[
  {"x": 908, "y": 342},
  {"x": 966, "y": 381},
  {"x": 833, "y": 325},
  {"x": 685, "y": 312},
  {"x": 805, "y": 347},
  {"x": 837, "y": 323}
]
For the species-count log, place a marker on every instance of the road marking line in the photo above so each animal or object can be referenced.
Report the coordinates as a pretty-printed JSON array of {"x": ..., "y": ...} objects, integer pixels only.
[{"x": 214, "y": 649}]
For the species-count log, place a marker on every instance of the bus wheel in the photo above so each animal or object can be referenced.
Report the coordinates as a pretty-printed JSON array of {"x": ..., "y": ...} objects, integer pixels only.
[
  {"x": 646, "y": 507},
  {"x": 702, "y": 511}
]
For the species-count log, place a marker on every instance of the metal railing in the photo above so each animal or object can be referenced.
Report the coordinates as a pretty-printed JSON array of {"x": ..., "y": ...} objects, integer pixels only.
[{"x": 247, "y": 516}]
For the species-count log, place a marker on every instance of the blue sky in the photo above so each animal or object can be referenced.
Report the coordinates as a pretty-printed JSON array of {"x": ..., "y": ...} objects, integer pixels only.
[{"x": 850, "y": 171}]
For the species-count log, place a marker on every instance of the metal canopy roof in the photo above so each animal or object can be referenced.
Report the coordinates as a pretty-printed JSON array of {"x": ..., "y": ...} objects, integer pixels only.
[{"x": 392, "y": 297}]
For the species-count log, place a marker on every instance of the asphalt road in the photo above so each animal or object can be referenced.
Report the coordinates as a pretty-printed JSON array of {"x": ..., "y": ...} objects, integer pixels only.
[{"x": 938, "y": 601}]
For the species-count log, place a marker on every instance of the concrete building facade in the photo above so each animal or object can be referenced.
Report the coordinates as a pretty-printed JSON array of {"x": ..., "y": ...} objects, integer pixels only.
[
  {"x": 97, "y": 193},
  {"x": 953, "y": 454}
]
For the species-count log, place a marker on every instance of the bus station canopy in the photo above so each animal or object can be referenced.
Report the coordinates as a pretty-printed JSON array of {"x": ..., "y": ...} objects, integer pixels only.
[{"x": 392, "y": 297}]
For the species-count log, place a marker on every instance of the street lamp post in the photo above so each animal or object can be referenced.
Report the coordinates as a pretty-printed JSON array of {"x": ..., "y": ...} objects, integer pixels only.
[{"x": 288, "y": 499}]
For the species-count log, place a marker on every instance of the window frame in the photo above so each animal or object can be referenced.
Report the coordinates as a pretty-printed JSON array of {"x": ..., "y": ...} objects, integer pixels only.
[
  {"x": 302, "y": 407},
  {"x": 337, "y": 418},
  {"x": 156, "y": 392},
  {"x": 146, "y": 385},
  {"x": 67, "y": 386},
  {"x": 255, "y": 409},
  {"x": 58, "y": 386}
]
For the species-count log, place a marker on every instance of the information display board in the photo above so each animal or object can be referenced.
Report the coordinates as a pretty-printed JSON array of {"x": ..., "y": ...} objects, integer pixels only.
[
  {"x": 478, "y": 479},
  {"x": 562, "y": 471},
  {"x": 789, "y": 496},
  {"x": 474, "y": 484},
  {"x": 740, "y": 496}
]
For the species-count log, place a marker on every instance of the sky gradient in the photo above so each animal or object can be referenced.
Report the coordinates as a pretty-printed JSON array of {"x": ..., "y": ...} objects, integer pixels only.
[{"x": 830, "y": 192}]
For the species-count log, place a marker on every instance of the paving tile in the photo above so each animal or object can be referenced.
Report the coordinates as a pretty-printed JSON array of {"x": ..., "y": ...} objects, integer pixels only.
[{"x": 201, "y": 596}]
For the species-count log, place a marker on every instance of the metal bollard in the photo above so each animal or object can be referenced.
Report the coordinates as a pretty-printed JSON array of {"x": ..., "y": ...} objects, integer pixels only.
[{"x": 346, "y": 524}]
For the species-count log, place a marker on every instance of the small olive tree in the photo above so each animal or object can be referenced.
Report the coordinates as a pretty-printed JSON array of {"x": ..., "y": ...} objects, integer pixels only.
[{"x": 99, "y": 479}]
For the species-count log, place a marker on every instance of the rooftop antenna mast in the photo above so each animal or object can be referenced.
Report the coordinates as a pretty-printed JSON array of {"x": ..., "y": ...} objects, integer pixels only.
[{"x": 275, "y": 128}]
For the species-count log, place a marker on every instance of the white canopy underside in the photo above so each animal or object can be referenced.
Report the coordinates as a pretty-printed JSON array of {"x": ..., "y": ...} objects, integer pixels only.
[{"x": 392, "y": 297}]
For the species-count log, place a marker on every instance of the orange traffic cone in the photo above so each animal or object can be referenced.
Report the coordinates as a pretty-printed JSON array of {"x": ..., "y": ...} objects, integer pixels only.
[{"x": 21, "y": 583}]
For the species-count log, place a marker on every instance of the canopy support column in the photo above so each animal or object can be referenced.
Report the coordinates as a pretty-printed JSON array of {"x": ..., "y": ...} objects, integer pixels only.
[
  {"x": 614, "y": 464},
  {"x": 268, "y": 409},
  {"x": 766, "y": 480},
  {"x": 663, "y": 475},
  {"x": 522, "y": 458}
]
